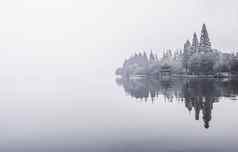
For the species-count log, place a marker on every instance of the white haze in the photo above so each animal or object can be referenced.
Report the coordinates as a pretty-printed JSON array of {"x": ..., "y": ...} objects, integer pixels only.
[
  {"x": 93, "y": 37},
  {"x": 57, "y": 64}
]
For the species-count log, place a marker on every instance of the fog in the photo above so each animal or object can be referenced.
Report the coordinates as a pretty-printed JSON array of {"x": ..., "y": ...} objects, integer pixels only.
[
  {"x": 57, "y": 64},
  {"x": 98, "y": 35}
]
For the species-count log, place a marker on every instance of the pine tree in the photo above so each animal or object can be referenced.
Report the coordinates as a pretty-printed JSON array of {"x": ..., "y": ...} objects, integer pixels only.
[
  {"x": 195, "y": 43},
  {"x": 152, "y": 58},
  {"x": 170, "y": 53},
  {"x": 205, "y": 44},
  {"x": 156, "y": 57},
  {"x": 145, "y": 58},
  {"x": 187, "y": 45},
  {"x": 186, "y": 54}
]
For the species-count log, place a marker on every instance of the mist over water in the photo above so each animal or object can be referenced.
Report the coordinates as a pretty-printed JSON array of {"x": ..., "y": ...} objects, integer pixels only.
[
  {"x": 59, "y": 92},
  {"x": 63, "y": 107},
  {"x": 74, "y": 102}
]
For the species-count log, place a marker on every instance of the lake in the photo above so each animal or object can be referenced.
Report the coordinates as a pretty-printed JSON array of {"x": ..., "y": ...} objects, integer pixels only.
[{"x": 68, "y": 112}]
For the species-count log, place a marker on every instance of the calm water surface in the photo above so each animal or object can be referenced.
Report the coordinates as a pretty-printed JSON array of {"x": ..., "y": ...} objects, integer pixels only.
[{"x": 66, "y": 112}]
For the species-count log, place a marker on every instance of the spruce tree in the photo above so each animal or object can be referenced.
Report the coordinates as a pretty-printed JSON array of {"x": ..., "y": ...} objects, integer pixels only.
[
  {"x": 187, "y": 45},
  {"x": 195, "y": 44},
  {"x": 205, "y": 44},
  {"x": 186, "y": 54},
  {"x": 152, "y": 58}
]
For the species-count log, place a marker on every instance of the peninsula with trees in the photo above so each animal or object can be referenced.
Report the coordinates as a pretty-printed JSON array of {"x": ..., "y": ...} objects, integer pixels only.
[{"x": 196, "y": 59}]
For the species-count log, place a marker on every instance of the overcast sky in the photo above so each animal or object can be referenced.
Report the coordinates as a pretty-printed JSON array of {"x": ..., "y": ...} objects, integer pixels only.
[{"x": 103, "y": 32}]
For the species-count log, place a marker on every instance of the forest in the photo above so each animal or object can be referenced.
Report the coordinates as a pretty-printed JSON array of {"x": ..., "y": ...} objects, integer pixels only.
[{"x": 195, "y": 59}]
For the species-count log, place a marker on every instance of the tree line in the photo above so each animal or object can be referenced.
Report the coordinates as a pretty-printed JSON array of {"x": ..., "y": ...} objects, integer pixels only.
[{"x": 196, "y": 58}]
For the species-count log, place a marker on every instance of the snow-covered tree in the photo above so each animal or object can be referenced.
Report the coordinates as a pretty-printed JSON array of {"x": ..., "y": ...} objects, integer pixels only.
[
  {"x": 195, "y": 43},
  {"x": 186, "y": 54},
  {"x": 223, "y": 62},
  {"x": 205, "y": 44},
  {"x": 234, "y": 65},
  {"x": 202, "y": 63},
  {"x": 152, "y": 57}
]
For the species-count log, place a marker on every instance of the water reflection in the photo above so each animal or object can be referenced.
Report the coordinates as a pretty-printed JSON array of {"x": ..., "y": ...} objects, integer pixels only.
[{"x": 197, "y": 94}]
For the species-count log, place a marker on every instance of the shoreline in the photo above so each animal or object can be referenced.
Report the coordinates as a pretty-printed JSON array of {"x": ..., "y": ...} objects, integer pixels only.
[{"x": 230, "y": 76}]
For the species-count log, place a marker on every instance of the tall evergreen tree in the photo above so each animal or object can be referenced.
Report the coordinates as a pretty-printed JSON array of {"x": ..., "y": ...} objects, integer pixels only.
[
  {"x": 156, "y": 57},
  {"x": 195, "y": 43},
  {"x": 205, "y": 44},
  {"x": 152, "y": 58},
  {"x": 145, "y": 58},
  {"x": 187, "y": 45},
  {"x": 186, "y": 54}
]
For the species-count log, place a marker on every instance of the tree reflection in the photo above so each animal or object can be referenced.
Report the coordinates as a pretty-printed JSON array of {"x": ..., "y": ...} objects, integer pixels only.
[{"x": 197, "y": 94}]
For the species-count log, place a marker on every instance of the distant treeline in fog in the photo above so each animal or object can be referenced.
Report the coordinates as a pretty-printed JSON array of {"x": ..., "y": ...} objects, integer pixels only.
[{"x": 196, "y": 58}]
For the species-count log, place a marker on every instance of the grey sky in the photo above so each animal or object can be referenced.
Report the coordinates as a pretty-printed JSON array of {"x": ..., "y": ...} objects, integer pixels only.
[{"x": 85, "y": 32}]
